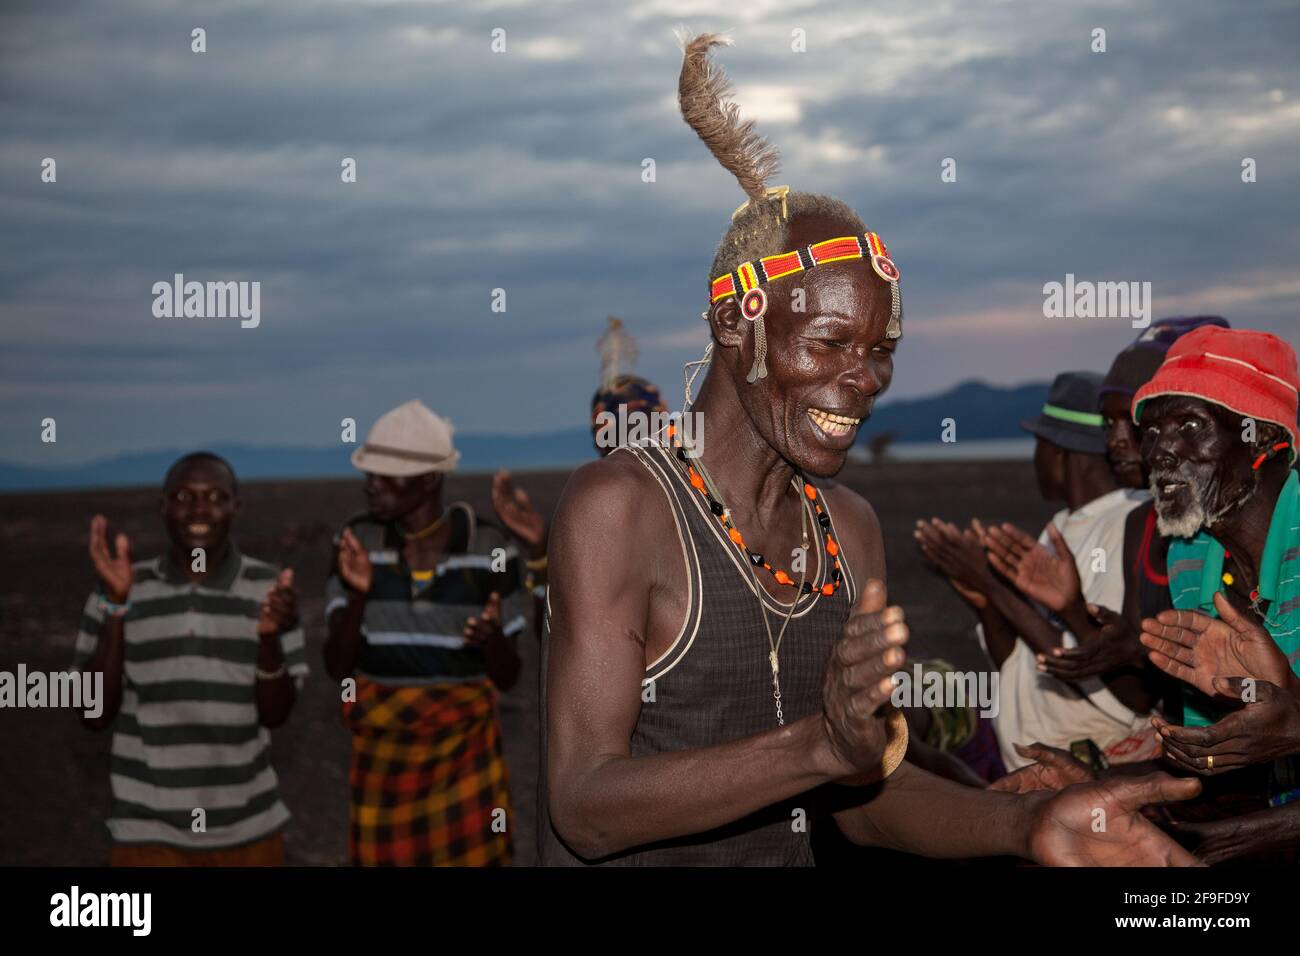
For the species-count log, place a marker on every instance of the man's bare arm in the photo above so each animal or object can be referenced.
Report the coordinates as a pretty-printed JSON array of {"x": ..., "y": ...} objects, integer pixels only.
[
  {"x": 999, "y": 636},
  {"x": 914, "y": 804},
  {"x": 343, "y": 637},
  {"x": 109, "y": 659},
  {"x": 918, "y": 812},
  {"x": 1032, "y": 627}
]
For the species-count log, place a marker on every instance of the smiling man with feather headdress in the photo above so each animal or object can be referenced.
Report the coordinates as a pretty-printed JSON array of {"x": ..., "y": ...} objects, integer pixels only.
[{"x": 736, "y": 693}]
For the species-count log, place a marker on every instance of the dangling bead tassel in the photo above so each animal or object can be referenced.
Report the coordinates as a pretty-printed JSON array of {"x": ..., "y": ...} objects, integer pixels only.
[
  {"x": 760, "y": 353},
  {"x": 894, "y": 330}
]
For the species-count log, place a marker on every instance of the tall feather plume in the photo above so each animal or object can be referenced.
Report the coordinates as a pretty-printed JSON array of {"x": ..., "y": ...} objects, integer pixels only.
[
  {"x": 618, "y": 352},
  {"x": 704, "y": 95}
]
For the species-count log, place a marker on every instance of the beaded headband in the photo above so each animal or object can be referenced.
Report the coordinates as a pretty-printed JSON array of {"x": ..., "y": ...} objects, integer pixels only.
[
  {"x": 747, "y": 279},
  {"x": 750, "y": 275}
]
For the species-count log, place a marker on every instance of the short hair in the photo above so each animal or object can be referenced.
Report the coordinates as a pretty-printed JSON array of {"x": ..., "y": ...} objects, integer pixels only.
[
  {"x": 760, "y": 229},
  {"x": 200, "y": 458}
]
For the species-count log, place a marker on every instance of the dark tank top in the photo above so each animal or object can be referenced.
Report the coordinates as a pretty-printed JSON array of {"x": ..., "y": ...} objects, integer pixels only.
[{"x": 714, "y": 684}]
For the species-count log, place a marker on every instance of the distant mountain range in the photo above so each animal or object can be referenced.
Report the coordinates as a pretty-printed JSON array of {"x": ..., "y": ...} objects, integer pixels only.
[{"x": 980, "y": 412}]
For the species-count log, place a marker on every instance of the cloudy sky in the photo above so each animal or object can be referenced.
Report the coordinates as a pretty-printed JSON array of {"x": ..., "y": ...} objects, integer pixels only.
[{"x": 522, "y": 170}]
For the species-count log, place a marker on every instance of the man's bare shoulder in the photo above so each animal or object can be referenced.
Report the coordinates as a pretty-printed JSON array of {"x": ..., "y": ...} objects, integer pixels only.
[
  {"x": 857, "y": 526},
  {"x": 848, "y": 506},
  {"x": 614, "y": 495}
]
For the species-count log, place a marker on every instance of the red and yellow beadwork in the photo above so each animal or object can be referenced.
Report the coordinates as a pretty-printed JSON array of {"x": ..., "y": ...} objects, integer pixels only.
[{"x": 751, "y": 275}]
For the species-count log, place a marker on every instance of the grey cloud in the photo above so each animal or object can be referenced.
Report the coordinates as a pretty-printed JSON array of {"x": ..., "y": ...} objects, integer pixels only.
[{"x": 522, "y": 171}]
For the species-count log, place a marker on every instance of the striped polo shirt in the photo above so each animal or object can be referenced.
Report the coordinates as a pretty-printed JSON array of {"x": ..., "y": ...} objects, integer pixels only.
[
  {"x": 1196, "y": 573},
  {"x": 187, "y": 735},
  {"x": 412, "y": 627}
]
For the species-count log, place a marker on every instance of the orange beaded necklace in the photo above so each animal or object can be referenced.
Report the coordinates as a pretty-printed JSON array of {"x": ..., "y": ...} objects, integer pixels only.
[{"x": 831, "y": 548}]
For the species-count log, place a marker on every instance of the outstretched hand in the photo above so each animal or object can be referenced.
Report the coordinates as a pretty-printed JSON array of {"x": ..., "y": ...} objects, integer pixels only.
[
  {"x": 1049, "y": 577},
  {"x": 1264, "y": 727},
  {"x": 1052, "y": 769},
  {"x": 1101, "y": 823},
  {"x": 484, "y": 627},
  {"x": 1197, "y": 648}
]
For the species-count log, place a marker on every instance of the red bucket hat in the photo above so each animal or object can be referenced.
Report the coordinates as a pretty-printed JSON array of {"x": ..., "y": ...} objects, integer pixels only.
[{"x": 1251, "y": 373}]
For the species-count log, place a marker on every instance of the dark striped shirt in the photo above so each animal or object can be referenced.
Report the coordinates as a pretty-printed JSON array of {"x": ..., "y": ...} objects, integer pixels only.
[
  {"x": 412, "y": 630},
  {"x": 187, "y": 736}
]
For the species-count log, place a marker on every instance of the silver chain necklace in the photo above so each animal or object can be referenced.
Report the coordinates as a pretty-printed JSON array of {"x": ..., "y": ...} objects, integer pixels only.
[{"x": 774, "y": 646}]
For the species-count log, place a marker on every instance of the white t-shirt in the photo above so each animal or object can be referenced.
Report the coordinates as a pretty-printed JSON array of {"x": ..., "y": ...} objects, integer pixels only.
[{"x": 1037, "y": 707}]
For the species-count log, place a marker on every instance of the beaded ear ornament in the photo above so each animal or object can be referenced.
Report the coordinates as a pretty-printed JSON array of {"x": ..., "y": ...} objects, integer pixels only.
[{"x": 748, "y": 278}]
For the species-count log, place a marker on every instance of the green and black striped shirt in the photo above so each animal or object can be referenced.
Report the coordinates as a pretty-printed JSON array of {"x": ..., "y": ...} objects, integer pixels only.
[{"x": 187, "y": 736}]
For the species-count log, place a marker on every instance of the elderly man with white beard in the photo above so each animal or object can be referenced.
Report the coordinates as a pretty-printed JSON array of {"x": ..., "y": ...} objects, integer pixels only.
[{"x": 1218, "y": 429}]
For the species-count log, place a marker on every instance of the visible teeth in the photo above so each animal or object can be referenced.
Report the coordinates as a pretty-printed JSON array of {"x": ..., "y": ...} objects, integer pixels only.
[
  {"x": 1170, "y": 488},
  {"x": 831, "y": 424},
  {"x": 818, "y": 414},
  {"x": 198, "y": 529}
]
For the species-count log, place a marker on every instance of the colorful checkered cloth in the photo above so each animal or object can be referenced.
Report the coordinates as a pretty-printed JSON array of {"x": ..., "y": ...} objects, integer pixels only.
[{"x": 428, "y": 776}]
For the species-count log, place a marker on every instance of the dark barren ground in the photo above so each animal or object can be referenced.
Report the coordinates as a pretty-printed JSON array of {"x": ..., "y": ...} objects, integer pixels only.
[{"x": 54, "y": 774}]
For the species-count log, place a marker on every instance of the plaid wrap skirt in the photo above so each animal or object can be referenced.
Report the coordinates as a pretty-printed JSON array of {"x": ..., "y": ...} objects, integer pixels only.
[{"x": 428, "y": 779}]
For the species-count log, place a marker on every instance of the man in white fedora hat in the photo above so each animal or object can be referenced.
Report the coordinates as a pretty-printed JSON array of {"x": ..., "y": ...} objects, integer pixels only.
[{"x": 423, "y": 608}]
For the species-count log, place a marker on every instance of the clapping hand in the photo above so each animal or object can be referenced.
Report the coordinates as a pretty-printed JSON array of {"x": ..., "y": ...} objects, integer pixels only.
[
  {"x": 114, "y": 570},
  {"x": 1196, "y": 648},
  {"x": 279, "y": 610},
  {"x": 1051, "y": 579},
  {"x": 479, "y": 630},
  {"x": 516, "y": 511},
  {"x": 354, "y": 563}
]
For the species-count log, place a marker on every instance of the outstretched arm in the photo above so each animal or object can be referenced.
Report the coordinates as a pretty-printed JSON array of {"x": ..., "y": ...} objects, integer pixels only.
[
  {"x": 917, "y": 812},
  {"x": 1086, "y": 824},
  {"x": 1236, "y": 838}
]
